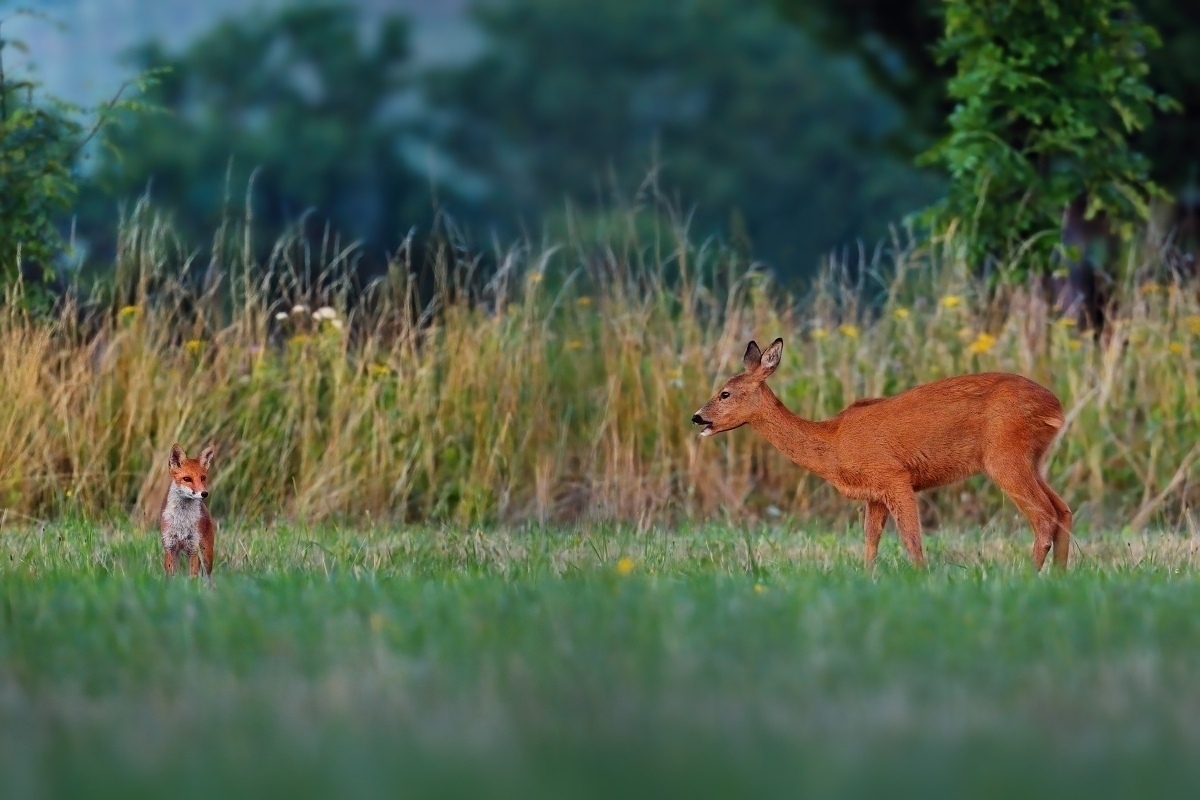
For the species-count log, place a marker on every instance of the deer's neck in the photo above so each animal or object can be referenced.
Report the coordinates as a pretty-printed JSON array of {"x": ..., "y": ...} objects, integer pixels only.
[{"x": 805, "y": 442}]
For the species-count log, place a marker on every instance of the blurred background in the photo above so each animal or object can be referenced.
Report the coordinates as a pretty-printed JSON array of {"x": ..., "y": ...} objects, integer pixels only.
[{"x": 788, "y": 129}]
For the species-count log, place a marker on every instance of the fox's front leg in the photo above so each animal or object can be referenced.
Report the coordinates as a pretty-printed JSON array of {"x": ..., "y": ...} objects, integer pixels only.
[
  {"x": 193, "y": 564},
  {"x": 169, "y": 562}
]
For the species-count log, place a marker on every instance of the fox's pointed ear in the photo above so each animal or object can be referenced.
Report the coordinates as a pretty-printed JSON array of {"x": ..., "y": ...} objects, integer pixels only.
[
  {"x": 206, "y": 455},
  {"x": 753, "y": 354},
  {"x": 770, "y": 359},
  {"x": 177, "y": 456}
]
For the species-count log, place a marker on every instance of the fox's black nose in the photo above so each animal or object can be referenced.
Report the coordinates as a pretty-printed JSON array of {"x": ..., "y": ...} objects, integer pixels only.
[
  {"x": 204, "y": 494},
  {"x": 697, "y": 419}
]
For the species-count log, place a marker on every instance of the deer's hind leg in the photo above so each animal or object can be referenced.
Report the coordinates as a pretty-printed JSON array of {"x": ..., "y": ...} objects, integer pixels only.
[
  {"x": 1018, "y": 478},
  {"x": 901, "y": 503},
  {"x": 1062, "y": 531}
]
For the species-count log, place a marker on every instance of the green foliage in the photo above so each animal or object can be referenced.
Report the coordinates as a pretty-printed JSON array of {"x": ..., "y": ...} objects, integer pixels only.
[
  {"x": 1048, "y": 94},
  {"x": 40, "y": 139},
  {"x": 776, "y": 144},
  {"x": 302, "y": 101}
]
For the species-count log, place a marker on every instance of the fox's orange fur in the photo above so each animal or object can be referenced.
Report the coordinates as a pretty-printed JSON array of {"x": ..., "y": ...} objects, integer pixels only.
[
  {"x": 885, "y": 449},
  {"x": 184, "y": 524}
]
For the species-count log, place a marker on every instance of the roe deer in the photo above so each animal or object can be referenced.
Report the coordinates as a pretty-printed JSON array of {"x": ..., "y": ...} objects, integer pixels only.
[{"x": 885, "y": 449}]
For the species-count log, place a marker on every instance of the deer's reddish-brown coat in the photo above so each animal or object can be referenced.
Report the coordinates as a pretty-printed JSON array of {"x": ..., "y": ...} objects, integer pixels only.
[{"x": 883, "y": 450}]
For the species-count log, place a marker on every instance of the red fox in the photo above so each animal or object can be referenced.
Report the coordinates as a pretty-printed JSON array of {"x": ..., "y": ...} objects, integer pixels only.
[{"x": 184, "y": 523}]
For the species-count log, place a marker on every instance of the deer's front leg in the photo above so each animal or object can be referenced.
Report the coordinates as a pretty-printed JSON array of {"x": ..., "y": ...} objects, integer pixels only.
[{"x": 873, "y": 521}]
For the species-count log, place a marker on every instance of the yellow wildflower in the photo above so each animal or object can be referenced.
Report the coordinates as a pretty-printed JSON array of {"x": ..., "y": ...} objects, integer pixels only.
[
  {"x": 1066, "y": 322},
  {"x": 193, "y": 346},
  {"x": 1149, "y": 288},
  {"x": 574, "y": 344},
  {"x": 584, "y": 302},
  {"x": 819, "y": 333},
  {"x": 849, "y": 331},
  {"x": 127, "y": 313},
  {"x": 535, "y": 277},
  {"x": 1176, "y": 348},
  {"x": 624, "y": 566},
  {"x": 1194, "y": 323},
  {"x": 759, "y": 588},
  {"x": 1073, "y": 344},
  {"x": 951, "y": 301},
  {"x": 378, "y": 370},
  {"x": 982, "y": 344},
  {"x": 900, "y": 313}
]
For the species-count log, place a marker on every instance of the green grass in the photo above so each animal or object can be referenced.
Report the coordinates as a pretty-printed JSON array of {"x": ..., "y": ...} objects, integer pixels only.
[{"x": 341, "y": 662}]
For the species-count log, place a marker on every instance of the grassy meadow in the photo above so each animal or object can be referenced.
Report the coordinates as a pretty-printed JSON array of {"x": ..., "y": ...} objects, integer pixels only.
[
  {"x": 595, "y": 661},
  {"x": 470, "y": 545}
]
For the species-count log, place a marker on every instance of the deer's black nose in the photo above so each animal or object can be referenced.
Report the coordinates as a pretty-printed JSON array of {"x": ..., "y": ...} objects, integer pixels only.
[
  {"x": 697, "y": 419},
  {"x": 204, "y": 494}
]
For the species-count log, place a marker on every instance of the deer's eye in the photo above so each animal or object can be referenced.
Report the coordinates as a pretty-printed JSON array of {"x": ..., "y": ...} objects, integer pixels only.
[{"x": 724, "y": 395}]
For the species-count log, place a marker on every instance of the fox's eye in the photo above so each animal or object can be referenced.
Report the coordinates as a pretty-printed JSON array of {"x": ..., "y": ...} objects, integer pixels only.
[
  {"x": 724, "y": 395},
  {"x": 187, "y": 480}
]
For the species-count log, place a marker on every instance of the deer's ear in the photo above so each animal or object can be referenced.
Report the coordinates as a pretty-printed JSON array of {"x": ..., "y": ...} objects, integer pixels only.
[
  {"x": 752, "y": 357},
  {"x": 206, "y": 456},
  {"x": 177, "y": 456},
  {"x": 770, "y": 359}
]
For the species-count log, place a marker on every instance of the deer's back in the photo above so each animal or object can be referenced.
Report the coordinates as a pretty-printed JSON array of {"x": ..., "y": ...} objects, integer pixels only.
[{"x": 944, "y": 430}]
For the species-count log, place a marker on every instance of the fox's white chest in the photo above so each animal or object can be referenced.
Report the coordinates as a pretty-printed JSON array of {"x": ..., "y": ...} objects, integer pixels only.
[{"x": 180, "y": 525}]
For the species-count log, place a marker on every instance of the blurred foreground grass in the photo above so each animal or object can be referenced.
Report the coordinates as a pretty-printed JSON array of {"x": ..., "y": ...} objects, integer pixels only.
[{"x": 596, "y": 661}]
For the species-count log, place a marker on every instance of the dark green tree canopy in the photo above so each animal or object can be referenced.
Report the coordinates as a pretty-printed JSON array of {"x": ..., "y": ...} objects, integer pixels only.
[
  {"x": 1048, "y": 95},
  {"x": 304, "y": 101},
  {"x": 739, "y": 113}
]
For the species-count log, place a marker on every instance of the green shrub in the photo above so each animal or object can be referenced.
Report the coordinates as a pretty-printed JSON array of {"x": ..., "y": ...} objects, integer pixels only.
[{"x": 1048, "y": 93}]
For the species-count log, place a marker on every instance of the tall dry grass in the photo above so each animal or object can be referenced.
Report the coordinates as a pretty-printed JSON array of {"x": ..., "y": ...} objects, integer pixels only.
[{"x": 559, "y": 388}]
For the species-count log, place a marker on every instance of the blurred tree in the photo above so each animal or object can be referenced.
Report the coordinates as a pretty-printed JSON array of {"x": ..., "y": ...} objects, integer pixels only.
[
  {"x": 304, "y": 101},
  {"x": 894, "y": 40},
  {"x": 1172, "y": 143},
  {"x": 1048, "y": 95},
  {"x": 739, "y": 114}
]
